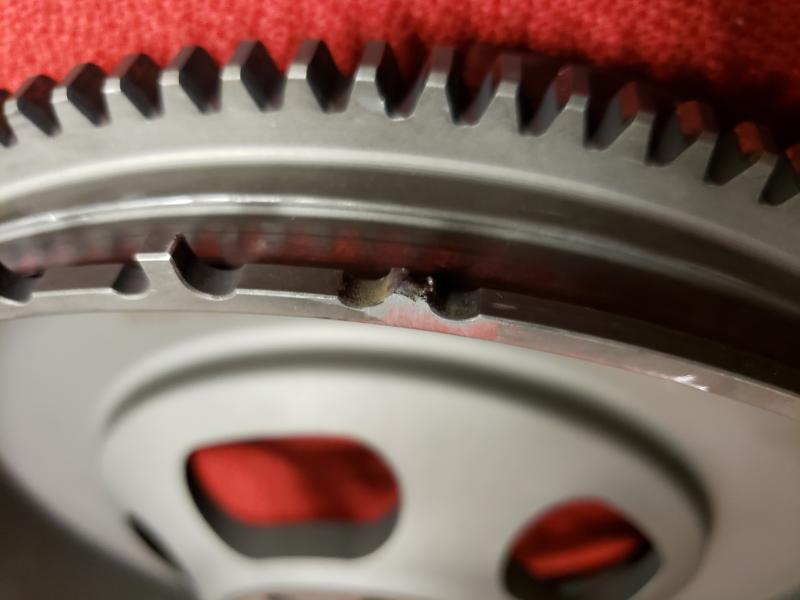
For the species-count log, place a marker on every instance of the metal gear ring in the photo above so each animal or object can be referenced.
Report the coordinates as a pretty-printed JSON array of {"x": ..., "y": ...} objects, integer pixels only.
[{"x": 554, "y": 285}]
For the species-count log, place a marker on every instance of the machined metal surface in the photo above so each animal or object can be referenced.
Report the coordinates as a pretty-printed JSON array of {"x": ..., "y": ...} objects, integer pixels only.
[
  {"x": 613, "y": 239},
  {"x": 517, "y": 190},
  {"x": 607, "y": 432}
]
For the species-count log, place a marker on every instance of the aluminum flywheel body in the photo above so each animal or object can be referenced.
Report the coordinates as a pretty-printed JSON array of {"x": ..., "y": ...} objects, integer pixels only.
[{"x": 551, "y": 286}]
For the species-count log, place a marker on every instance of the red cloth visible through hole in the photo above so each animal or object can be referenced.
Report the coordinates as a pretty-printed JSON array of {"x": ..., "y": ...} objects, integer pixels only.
[
  {"x": 296, "y": 480},
  {"x": 300, "y": 480},
  {"x": 577, "y": 538}
]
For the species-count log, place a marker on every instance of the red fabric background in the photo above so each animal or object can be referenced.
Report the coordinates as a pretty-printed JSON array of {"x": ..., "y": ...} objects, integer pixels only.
[{"x": 740, "y": 52}]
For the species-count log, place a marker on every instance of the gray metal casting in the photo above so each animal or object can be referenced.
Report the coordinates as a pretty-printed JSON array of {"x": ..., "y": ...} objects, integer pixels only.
[{"x": 643, "y": 272}]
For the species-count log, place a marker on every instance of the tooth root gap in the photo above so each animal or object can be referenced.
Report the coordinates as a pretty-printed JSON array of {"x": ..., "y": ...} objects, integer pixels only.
[
  {"x": 201, "y": 276},
  {"x": 632, "y": 107},
  {"x": 84, "y": 85},
  {"x": 34, "y": 102},
  {"x": 131, "y": 280},
  {"x": 138, "y": 79},
  {"x": 6, "y": 134},
  {"x": 565, "y": 100},
  {"x": 198, "y": 75},
  {"x": 499, "y": 84},
  {"x": 432, "y": 86},
  {"x": 457, "y": 86},
  {"x": 378, "y": 66},
  {"x": 362, "y": 292},
  {"x": 260, "y": 76},
  {"x": 538, "y": 73},
  {"x": 689, "y": 123},
  {"x": 452, "y": 298},
  {"x": 15, "y": 287},
  {"x": 737, "y": 151},
  {"x": 784, "y": 182},
  {"x": 314, "y": 63}
]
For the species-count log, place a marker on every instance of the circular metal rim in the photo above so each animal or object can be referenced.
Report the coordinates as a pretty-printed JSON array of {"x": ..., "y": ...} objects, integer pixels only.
[{"x": 148, "y": 399}]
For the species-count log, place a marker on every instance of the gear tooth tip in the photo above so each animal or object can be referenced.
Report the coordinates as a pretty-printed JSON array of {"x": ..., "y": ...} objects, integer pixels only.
[
  {"x": 439, "y": 68},
  {"x": 34, "y": 102},
  {"x": 687, "y": 136},
  {"x": 627, "y": 122},
  {"x": 243, "y": 52},
  {"x": 497, "y": 97},
  {"x": 377, "y": 82},
  {"x": 784, "y": 181},
  {"x": 564, "y": 104},
  {"x": 372, "y": 57},
  {"x": 432, "y": 92},
  {"x": 252, "y": 69},
  {"x": 198, "y": 76},
  {"x": 82, "y": 90},
  {"x": 307, "y": 53},
  {"x": 313, "y": 69},
  {"x": 746, "y": 149},
  {"x": 137, "y": 77},
  {"x": 6, "y": 134}
]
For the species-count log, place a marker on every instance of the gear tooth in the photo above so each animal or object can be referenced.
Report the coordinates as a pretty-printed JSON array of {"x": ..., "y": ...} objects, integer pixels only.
[
  {"x": 80, "y": 97},
  {"x": 745, "y": 157},
  {"x": 133, "y": 88},
  {"x": 197, "y": 75},
  {"x": 686, "y": 138},
  {"x": 784, "y": 181},
  {"x": 314, "y": 79},
  {"x": 432, "y": 95},
  {"x": 370, "y": 63},
  {"x": 497, "y": 100},
  {"x": 627, "y": 122},
  {"x": 251, "y": 76},
  {"x": 6, "y": 134},
  {"x": 564, "y": 106},
  {"x": 34, "y": 105},
  {"x": 284, "y": 278},
  {"x": 377, "y": 84}
]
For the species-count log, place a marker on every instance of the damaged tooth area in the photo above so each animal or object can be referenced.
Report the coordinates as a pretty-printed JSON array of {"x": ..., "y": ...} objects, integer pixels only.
[{"x": 169, "y": 274}]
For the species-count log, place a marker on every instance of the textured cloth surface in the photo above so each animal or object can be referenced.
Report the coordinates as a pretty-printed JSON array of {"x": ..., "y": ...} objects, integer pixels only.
[{"x": 743, "y": 53}]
